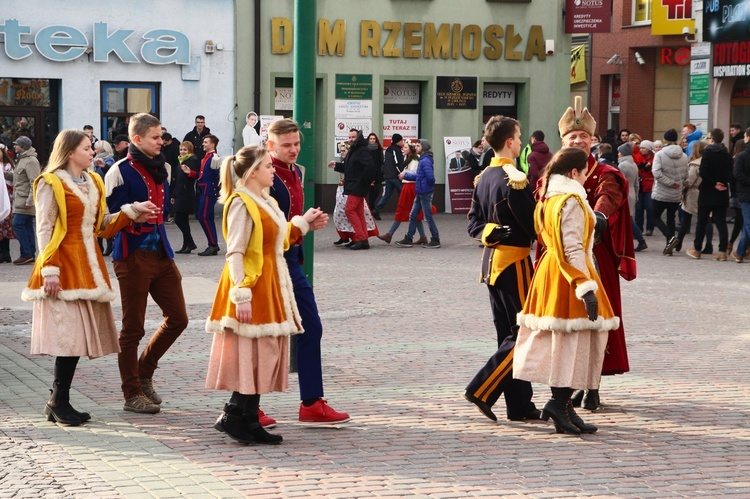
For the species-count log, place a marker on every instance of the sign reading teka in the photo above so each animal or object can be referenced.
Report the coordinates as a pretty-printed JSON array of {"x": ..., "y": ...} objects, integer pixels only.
[{"x": 62, "y": 43}]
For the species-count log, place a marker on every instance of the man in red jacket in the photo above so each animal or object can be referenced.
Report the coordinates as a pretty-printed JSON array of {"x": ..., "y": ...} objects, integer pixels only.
[{"x": 607, "y": 191}]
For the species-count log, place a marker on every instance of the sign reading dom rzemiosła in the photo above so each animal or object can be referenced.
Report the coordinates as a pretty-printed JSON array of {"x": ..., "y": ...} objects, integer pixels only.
[{"x": 419, "y": 40}]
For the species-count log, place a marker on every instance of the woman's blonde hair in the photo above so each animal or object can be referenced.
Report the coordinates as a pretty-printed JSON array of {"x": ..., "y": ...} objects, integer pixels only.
[
  {"x": 66, "y": 142},
  {"x": 189, "y": 146},
  {"x": 102, "y": 146},
  {"x": 697, "y": 151},
  {"x": 240, "y": 165}
]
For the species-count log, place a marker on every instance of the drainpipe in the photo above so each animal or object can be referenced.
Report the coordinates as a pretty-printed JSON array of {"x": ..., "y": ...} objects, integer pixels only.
[{"x": 256, "y": 79}]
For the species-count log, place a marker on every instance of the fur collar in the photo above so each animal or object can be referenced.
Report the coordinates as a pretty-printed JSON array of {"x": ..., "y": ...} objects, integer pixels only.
[{"x": 560, "y": 184}]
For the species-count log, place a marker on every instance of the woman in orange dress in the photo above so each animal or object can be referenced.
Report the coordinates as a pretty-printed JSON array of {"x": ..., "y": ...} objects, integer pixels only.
[
  {"x": 254, "y": 310},
  {"x": 69, "y": 284}
]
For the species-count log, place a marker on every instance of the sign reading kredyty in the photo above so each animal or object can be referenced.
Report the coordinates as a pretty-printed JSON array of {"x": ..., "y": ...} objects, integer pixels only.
[{"x": 588, "y": 16}]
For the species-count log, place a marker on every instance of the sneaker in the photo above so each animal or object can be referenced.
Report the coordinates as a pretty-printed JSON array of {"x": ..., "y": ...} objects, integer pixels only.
[
  {"x": 341, "y": 242},
  {"x": 693, "y": 253},
  {"x": 321, "y": 413},
  {"x": 648, "y": 233},
  {"x": 737, "y": 258},
  {"x": 721, "y": 256},
  {"x": 147, "y": 386},
  {"x": 435, "y": 243},
  {"x": 405, "y": 243},
  {"x": 266, "y": 421},
  {"x": 671, "y": 244},
  {"x": 641, "y": 246},
  {"x": 141, "y": 404},
  {"x": 24, "y": 260}
]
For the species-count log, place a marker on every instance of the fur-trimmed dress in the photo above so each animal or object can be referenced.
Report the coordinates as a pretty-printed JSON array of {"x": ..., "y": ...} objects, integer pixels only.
[
  {"x": 557, "y": 344},
  {"x": 70, "y": 216},
  {"x": 254, "y": 358}
]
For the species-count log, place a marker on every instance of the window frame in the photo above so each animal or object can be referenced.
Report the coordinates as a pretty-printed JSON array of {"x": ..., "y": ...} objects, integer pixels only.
[
  {"x": 649, "y": 13},
  {"x": 104, "y": 115}
]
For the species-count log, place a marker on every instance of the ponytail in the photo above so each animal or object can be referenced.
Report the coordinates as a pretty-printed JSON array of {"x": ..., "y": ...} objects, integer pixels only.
[{"x": 227, "y": 179}]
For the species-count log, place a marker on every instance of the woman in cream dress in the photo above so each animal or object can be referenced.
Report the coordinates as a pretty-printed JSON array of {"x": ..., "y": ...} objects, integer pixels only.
[
  {"x": 565, "y": 321},
  {"x": 69, "y": 284},
  {"x": 254, "y": 311}
]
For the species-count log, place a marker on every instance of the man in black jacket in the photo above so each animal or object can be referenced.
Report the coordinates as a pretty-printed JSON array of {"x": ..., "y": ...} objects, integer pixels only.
[
  {"x": 196, "y": 135},
  {"x": 359, "y": 172},
  {"x": 713, "y": 194},
  {"x": 742, "y": 179},
  {"x": 393, "y": 164}
]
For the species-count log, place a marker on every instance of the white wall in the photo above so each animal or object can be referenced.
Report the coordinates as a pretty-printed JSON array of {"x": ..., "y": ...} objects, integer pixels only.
[{"x": 213, "y": 95}]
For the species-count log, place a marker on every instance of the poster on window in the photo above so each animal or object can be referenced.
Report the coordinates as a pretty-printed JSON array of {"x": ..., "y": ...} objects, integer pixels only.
[
  {"x": 265, "y": 122},
  {"x": 406, "y": 125},
  {"x": 350, "y": 114},
  {"x": 459, "y": 177}
]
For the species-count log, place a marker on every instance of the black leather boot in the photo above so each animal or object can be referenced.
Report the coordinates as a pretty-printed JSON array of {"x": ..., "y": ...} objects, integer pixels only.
[
  {"x": 578, "y": 422},
  {"x": 557, "y": 409},
  {"x": 253, "y": 426},
  {"x": 5, "y": 251},
  {"x": 233, "y": 425},
  {"x": 577, "y": 398},
  {"x": 58, "y": 408},
  {"x": 210, "y": 251},
  {"x": 591, "y": 401}
]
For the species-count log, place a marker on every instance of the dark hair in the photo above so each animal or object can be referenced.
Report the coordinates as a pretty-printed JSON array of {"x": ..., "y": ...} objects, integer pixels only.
[
  {"x": 377, "y": 140},
  {"x": 212, "y": 138},
  {"x": 747, "y": 131},
  {"x": 412, "y": 154},
  {"x": 166, "y": 136},
  {"x": 605, "y": 147},
  {"x": 736, "y": 125},
  {"x": 200, "y": 117},
  {"x": 717, "y": 134},
  {"x": 538, "y": 135},
  {"x": 88, "y": 127},
  {"x": 563, "y": 162},
  {"x": 477, "y": 143},
  {"x": 738, "y": 147},
  {"x": 498, "y": 130},
  {"x": 623, "y": 130}
]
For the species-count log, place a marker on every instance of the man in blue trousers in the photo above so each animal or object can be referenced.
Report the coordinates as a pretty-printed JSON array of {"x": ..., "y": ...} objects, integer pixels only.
[{"x": 284, "y": 146}]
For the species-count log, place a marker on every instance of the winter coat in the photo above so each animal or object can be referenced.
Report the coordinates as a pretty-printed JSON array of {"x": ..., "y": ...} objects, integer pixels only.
[
  {"x": 196, "y": 139},
  {"x": 377, "y": 159},
  {"x": 358, "y": 169},
  {"x": 425, "y": 176},
  {"x": 646, "y": 175},
  {"x": 26, "y": 171},
  {"x": 716, "y": 167},
  {"x": 628, "y": 168},
  {"x": 393, "y": 162},
  {"x": 183, "y": 192},
  {"x": 538, "y": 159},
  {"x": 692, "y": 138},
  {"x": 742, "y": 174},
  {"x": 670, "y": 167},
  {"x": 690, "y": 187}
]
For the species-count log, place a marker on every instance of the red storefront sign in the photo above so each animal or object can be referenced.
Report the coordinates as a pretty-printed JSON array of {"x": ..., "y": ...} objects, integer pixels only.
[
  {"x": 588, "y": 16},
  {"x": 675, "y": 57}
]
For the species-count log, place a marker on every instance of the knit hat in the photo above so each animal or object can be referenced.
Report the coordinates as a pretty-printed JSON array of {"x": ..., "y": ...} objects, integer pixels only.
[
  {"x": 626, "y": 149},
  {"x": 23, "y": 142},
  {"x": 577, "y": 119},
  {"x": 396, "y": 138},
  {"x": 670, "y": 135},
  {"x": 647, "y": 144},
  {"x": 426, "y": 145}
]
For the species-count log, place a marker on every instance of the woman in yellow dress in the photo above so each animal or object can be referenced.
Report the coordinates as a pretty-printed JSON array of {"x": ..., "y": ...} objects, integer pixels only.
[
  {"x": 254, "y": 311},
  {"x": 69, "y": 284},
  {"x": 565, "y": 321}
]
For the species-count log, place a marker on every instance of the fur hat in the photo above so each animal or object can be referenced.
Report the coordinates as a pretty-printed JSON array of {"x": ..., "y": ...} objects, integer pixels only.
[
  {"x": 647, "y": 144},
  {"x": 626, "y": 149},
  {"x": 577, "y": 119},
  {"x": 670, "y": 135}
]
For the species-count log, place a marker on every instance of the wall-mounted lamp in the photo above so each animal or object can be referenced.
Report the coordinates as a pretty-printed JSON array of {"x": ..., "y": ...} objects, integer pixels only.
[
  {"x": 686, "y": 32},
  {"x": 615, "y": 60},
  {"x": 639, "y": 59},
  {"x": 210, "y": 48}
]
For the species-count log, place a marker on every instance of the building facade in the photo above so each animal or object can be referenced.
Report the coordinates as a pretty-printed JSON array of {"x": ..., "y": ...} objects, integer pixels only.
[{"x": 74, "y": 66}]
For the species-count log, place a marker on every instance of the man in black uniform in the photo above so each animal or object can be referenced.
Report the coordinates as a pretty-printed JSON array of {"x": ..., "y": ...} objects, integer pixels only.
[{"x": 502, "y": 218}]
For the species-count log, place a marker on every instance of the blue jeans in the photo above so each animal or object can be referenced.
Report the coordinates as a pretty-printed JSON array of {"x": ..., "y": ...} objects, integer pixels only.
[
  {"x": 643, "y": 204},
  {"x": 744, "y": 240},
  {"x": 391, "y": 184},
  {"x": 422, "y": 202},
  {"x": 23, "y": 226}
]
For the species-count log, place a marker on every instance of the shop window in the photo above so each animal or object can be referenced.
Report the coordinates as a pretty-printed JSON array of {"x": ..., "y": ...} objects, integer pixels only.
[
  {"x": 119, "y": 101},
  {"x": 402, "y": 110},
  {"x": 641, "y": 12}
]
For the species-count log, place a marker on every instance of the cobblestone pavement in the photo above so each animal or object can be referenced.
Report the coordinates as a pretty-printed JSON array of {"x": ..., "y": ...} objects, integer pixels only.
[{"x": 405, "y": 330}]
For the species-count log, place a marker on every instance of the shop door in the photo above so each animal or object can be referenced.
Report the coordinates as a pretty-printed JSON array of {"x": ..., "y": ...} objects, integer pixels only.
[{"x": 15, "y": 122}]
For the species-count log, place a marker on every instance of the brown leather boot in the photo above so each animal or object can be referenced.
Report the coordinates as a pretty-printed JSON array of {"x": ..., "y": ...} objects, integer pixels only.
[
  {"x": 421, "y": 240},
  {"x": 386, "y": 237}
]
